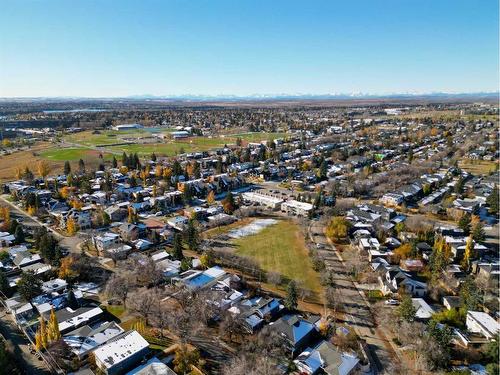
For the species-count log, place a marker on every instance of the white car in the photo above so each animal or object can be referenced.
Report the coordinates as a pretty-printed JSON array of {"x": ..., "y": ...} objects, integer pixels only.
[{"x": 392, "y": 302}]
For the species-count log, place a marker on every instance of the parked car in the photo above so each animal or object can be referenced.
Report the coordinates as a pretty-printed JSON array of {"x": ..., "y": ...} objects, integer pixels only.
[{"x": 392, "y": 302}]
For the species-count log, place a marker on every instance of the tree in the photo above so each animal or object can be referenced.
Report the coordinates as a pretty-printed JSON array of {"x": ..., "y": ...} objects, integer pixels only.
[
  {"x": 465, "y": 222},
  {"x": 291, "y": 297},
  {"x": 119, "y": 287},
  {"x": 153, "y": 157},
  {"x": 19, "y": 234},
  {"x": 468, "y": 253},
  {"x": 43, "y": 336},
  {"x": 493, "y": 201},
  {"x": 43, "y": 168},
  {"x": 185, "y": 359},
  {"x": 4, "y": 284},
  {"x": 53, "y": 332},
  {"x": 403, "y": 252},
  {"x": 207, "y": 259},
  {"x": 211, "y": 198},
  {"x": 192, "y": 237},
  {"x": 29, "y": 285},
  {"x": 406, "y": 311},
  {"x": 470, "y": 297},
  {"x": 81, "y": 165},
  {"x": 228, "y": 203},
  {"x": 338, "y": 228},
  {"x": 478, "y": 232},
  {"x": 177, "y": 247},
  {"x": 67, "y": 168},
  {"x": 67, "y": 269},
  {"x": 71, "y": 226}
]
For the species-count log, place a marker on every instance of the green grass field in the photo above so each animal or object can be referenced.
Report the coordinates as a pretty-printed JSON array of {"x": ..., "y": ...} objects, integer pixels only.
[
  {"x": 478, "y": 167},
  {"x": 72, "y": 154},
  {"x": 281, "y": 248}
]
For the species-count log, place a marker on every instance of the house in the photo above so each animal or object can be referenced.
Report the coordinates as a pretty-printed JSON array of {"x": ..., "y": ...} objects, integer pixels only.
[
  {"x": 325, "y": 358},
  {"x": 70, "y": 319},
  {"x": 122, "y": 353},
  {"x": 152, "y": 367},
  {"x": 395, "y": 279},
  {"x": 6, "y": 239},
  {"x": 178, "y": 222},
  {"x": 116, "y": 213},
  {"x": 106, "y": 241},
  {"x": 85, "y": 339},
  {"x": 129, "y": 232},
  {"x": 297, "y": 331},
  {"x": 392, "y": 199},
  {"x": 422, "y": 309},
  {"x": 483, "y": 324}
]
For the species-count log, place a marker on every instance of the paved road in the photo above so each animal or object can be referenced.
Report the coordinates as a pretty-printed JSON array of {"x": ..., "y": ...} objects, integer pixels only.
[
  {"x": 355, "y": 308},
  {"x": 28, "y": 362},
  {"x": 68, "y": 243}
]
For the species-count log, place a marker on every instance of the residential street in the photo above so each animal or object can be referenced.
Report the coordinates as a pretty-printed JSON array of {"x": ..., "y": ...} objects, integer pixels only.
[
  {"x": 355, "y": 308},
  {"x": 28, "y": 362},
  {"x": 67, "y": 243}
]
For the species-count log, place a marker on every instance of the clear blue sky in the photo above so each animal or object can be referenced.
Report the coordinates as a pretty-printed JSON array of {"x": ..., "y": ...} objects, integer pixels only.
[{"x": 241, "y": 47}]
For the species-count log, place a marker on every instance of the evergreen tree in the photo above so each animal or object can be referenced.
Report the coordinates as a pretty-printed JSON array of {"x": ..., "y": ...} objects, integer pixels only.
[
  {"x": 406, "y": 310},
  {"x": 114, "y": 162},
  {"x": 322, "y": 173},
  {"x": 125, "y": 159},
  {"x": 72, "y": 301},
  {"x": 493, "y": 201},
  {"x": 19, "y": 234},
  {"x": 464, "y": 223},
  {"x": 291, "y": 297},
  {"x": 192, "y": 237},
  {"x": 81, "y": 165},
  {"x": 153, "y": 157},
  {"x": 177, "y": 247},
  {"x": 29, "y": 285},
  {"x": 478, "y": 232},
  {"x": 4, "y": 284},
  {"x": 67, "y": 168}
]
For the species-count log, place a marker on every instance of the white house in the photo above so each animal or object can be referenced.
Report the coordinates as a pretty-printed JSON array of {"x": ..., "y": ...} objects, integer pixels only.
[{"x": 483, "y": 324}]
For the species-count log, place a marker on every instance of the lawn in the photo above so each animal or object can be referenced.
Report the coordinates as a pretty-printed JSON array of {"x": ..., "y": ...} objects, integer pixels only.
[
  {"x": 73, "y": 154},
  {"x": 478, "y": 167},
  {"x": 281, "y": 248}
]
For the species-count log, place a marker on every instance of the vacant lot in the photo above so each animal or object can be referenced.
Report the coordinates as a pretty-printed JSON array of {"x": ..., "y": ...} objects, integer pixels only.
[
  {"x": 478, "y": 167},
  {"x": 281, "y": 248}
]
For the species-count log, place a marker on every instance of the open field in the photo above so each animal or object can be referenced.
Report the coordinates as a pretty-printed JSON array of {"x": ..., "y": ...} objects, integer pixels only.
[
  {"x": 478, "y": 167},
  {"x": 73, "y": 154},
  {"x": 21, "y": 159},
  {"x": 281, "y": 248}
]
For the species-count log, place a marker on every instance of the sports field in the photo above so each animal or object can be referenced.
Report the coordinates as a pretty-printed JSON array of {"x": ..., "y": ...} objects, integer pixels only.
[{"x": 281, "y": 248}]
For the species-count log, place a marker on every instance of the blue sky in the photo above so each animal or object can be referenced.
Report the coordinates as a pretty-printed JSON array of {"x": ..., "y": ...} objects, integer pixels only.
[{"x": 172, "y": 47}]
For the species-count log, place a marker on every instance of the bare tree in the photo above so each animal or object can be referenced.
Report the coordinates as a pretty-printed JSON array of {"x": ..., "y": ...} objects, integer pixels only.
[
  {"x": 274, "y": 278},
  {"x": 143, "y": 302},
  {"x": 119, "y": 286}
]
